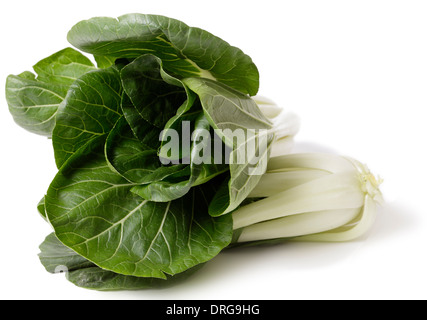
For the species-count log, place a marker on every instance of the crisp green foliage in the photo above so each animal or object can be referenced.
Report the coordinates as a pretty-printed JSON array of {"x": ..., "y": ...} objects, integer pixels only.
[{"x": 122, "y": 217}]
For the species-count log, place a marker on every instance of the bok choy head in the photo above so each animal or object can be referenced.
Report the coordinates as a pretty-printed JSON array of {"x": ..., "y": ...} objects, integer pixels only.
[{"x": 160, "y": 147}]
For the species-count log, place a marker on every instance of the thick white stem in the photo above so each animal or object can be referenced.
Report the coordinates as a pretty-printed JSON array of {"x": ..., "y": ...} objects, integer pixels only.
[
  {"x": 268, "y": 107},
  {"x": 337, "y": 191},
  {"x": 320, "y": 161},
  {"x": 282, "y": 146},
  {"x": 348, "y": 233},
  {"x": 286, "y": 124},
  {"x": 298, "y": 225},
  {"x": 272, "y": 183}
]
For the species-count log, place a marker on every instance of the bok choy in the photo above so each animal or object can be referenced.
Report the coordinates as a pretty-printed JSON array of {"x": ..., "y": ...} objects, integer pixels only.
[{"x": 166, "y": 156}]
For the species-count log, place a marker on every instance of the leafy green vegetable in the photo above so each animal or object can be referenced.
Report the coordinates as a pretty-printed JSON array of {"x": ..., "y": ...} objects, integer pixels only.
[{"x": 165, "y": 159}]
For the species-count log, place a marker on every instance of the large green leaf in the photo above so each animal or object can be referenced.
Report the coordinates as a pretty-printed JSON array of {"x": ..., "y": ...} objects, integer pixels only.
[
  {"x": 91, "y": 109},
  {"x": 185, "y": 51},
  {"x": 94, "y": 213},
  {"x": 238, "y": 120},
  {"x": 33, "y": 100},
  {"x": 58, "y": 258}
]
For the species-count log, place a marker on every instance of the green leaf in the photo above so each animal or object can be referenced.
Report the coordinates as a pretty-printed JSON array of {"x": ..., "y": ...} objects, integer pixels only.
[
  {"x": 93, "y": 212},
  {"x": 63, "y": 67},
  {"x": 134, "y": 160},
  {"x": 34, "y": 100},
  {"x": 202, "y": 168},
  {"x": 155, "y": 95},
  {"x": 41, "y": 208},
  {"x": 185, "y": 51},
  {"x": 156, "y": 99},
  {"x": 132, "y": 150},
  {"x": 91, "y": 109},
  {"x": 144, "y": 131},
  {"x": 238, "y": 120},
  {"x": 244, "y": 177},
  {"x": 56, "y": 257},
  {"x": 176, "y": 137},
  {"x": 103, "y": 280},
  {"x": 226, "y": 108},
  {"x": 104, "y": 62}
]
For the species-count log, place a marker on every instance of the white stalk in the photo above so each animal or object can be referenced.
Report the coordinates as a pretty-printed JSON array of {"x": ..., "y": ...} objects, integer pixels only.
[
  {"x": 268, "y": 107},
  {"x": 286, "y": 125},
  {"x": 314, "y": 197},
  {"x": 319, "y": 161},
  {"x": 282, "y": 146},
  {"x": 298, "y": 225},
  {"x": 335, "y": 191},
  {"x": 275, "y": 182},
  {"x": 349, "y": 231}
]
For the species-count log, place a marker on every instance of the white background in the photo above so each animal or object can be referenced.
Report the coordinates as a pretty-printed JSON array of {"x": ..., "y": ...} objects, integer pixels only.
[{"x": 354, "y": 71}]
